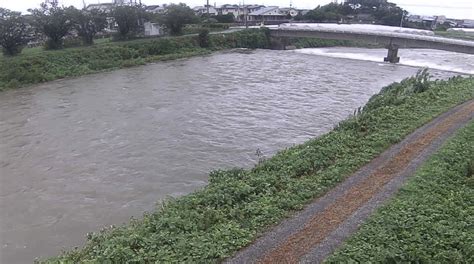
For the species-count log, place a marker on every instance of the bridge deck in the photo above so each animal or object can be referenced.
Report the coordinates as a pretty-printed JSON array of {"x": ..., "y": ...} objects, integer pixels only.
[{"x": 401, "y": 39}]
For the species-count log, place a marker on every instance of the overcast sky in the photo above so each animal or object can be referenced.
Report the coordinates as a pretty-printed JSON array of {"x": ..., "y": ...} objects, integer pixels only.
[{"x": 452, "y": 8}]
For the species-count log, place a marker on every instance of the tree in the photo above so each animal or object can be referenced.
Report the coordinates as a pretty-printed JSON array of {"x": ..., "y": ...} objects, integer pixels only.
[
  {"x": 380, "y": 11},
  {"x": 176, "y": 16},
  {"x": 227, "y": 18},
  {"x": 88, "y": 23},
  {"x": 14, "y": 32},
  {"x": 329, "y": 12},
  {"x": 54, "y": 22},
  {"x": 129, "y": 20}
]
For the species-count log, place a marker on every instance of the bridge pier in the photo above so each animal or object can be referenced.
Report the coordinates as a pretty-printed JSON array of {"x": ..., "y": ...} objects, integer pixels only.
[
  {"x": 278, "y": 43},
  {"x": 392, "y": 55}
]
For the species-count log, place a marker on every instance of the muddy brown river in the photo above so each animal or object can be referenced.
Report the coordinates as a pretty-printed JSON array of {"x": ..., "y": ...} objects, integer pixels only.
[{"x": 80, "y": 154}]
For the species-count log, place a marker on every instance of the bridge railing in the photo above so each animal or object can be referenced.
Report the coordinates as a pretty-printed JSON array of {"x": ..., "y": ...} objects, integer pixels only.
[{"x": 295, "y": 27}]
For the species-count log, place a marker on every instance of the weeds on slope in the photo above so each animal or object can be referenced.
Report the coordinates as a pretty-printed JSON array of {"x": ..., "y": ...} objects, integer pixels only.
[
  {"x": 237, "y": 205},
  {"x": 51, "y": 65},
  {"x": 430, "y": 220}
]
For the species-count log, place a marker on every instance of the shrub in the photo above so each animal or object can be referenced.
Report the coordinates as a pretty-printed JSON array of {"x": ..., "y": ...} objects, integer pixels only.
[
  {"x": 13, "y": 32},
  {"x": 203, "y": 38}
]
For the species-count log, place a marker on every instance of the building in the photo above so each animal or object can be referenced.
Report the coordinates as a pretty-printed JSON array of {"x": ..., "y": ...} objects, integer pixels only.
[
  {"x": 155, "y": 9},
  {"x": 468, "y": 23},
  {"x": 230, "y": 9},
  {"x": 105, "y": 7},
  {"x": 202, "y": 10},
  {"x": 152, "y": 29},
  {"x": 272, "y": 14},
  {"x": 289, "y": 11}
]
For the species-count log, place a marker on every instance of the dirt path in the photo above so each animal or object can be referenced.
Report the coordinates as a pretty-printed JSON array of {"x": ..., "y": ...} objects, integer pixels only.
[{"x": 313, "y": 234}]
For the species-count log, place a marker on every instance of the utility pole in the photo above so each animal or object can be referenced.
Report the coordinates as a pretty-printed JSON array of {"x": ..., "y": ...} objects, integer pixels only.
[
  {"x": 245, "y": 15},
  {"x": 208, "y": 15},
  {"x": 401, "y": 20}
]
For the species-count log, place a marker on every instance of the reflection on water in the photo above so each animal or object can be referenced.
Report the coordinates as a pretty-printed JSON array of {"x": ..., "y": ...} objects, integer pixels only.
[{"x": 83, "y": 153}]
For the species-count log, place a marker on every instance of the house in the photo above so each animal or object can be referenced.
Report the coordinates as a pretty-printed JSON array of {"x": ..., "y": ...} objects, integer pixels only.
[
  {"x": 468, "y": 23},
  {"x": 441, "y": 19},
  {"x": 289, "y": 11},
  {"x": 414, "y": 18},
  {"x": 202, "y": 10},
  {"x": 105, "y": 7},
  {"x": 270, "y": 14},
  {"x": 253, "y": 8},
  {"x": 155, "y": 9},
  {"x": 245, "y": 10},
  {"x": 229, "y": 9},
  {"x": 152, "y": 29},
  {"x": 238, "y": 11}
]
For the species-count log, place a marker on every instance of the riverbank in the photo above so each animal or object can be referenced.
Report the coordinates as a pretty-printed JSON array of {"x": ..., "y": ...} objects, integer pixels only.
[
  {"x": 428, "y": 221},
  {"x": 44, "y": 66},
  {"x": 238, "y": 205},
  {"x": 456, "y": 35}
]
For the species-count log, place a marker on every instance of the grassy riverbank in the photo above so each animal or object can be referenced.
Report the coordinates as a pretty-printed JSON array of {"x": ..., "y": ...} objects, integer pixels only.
[
  {"x": 456, "y": 35},
  {"x": 431, "y": 218},
  {"x": 37, "y": 66},
  {"x": 43, "y": 66},
  {"x": 237, "y": 205}
]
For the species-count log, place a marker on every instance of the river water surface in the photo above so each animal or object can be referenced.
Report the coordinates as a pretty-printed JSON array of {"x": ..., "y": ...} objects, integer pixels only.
[{"x": 80, "y": 154}]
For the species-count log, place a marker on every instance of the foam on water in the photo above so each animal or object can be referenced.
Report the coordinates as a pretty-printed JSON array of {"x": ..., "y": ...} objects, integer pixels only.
[{"x": 422, "y": 58}]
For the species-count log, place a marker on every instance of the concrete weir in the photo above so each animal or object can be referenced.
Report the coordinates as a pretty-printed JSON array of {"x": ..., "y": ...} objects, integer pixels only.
[{"x": 394, "y": 38}]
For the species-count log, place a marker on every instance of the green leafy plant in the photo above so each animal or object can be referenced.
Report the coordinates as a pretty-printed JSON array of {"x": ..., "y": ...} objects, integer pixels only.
[
  {"x": 430, "y": 220},
  {"x": 49, "y": 65},
  {"x": 238, "y": 205},
  {"x": 54, "y": 22},
  {"x": 203, "y": 38},
  {"x": 14, "y": 32}
]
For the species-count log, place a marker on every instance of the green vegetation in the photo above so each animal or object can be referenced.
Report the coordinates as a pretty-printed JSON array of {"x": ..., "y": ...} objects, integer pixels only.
[
  {"x": 238, "y": 205},
  {"x": 37, "y": 67},
  {"x": 54, "y": 22},
  {"x": 371, "y": 11},
  {"x": 176, "y": 17},
  {"x": 13, "y": 32},
  {"x": 430, "y": 220},
  {"x": 319, "y": 43},
  {"x": 456, "y": 34},
  {"x": 212, "y": 27}
]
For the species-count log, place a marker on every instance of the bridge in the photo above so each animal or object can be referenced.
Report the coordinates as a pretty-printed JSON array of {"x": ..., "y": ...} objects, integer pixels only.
[{"x": 392, "y": 38}]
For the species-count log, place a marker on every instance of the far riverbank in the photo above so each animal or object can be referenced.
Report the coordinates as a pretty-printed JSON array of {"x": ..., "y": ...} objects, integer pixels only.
[{"x": 44, "y": 66}]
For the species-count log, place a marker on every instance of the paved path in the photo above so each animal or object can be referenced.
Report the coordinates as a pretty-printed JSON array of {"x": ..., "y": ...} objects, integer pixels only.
[{"x": 314, "y": 233}]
